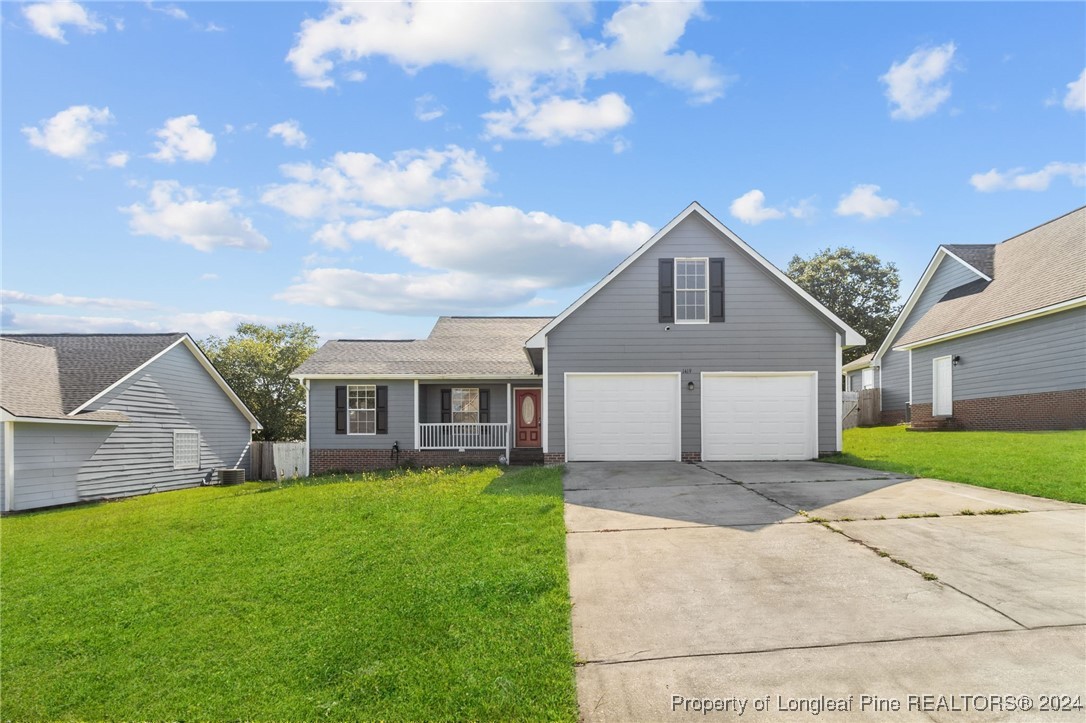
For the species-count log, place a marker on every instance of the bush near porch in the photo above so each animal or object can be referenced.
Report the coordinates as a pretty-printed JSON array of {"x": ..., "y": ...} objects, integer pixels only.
[
  {"x": 1044, "y": 464},
  {"x": 439, "y": 594}
]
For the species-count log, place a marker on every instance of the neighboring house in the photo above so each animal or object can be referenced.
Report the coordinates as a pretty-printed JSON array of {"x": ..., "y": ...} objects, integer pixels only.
[
  {"x": 98, "y": 416},
  {"x": 994, "y": 335},
  {"x": 694, "y": 347},
  {"x": 859, "y": 374}
]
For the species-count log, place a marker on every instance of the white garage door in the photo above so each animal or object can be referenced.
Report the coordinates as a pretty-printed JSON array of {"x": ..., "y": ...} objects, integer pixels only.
[
  {"x": 759, "y": 416},
  {"x": 613, "y": 417}
]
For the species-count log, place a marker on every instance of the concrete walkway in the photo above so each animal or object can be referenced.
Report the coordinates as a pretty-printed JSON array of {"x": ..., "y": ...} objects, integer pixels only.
[{"x": 731, "y": 582}]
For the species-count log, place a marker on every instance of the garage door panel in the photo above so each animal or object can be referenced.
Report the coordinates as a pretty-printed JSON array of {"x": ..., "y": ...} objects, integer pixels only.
[
  {"x": 759, "y": 417},
  {"x": 621, "y": 417}
]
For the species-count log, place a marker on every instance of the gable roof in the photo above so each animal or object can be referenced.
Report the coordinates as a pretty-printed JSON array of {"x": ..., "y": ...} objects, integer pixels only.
[
  {"x": 850, "y": 336},
  {"x": 1032, "y": 272},
  {"x": 857, "y": 364},
  {"x": 458, "y": 346},
  {"x": 90, "y": 365},
  {"x": 31, "y": 384}
]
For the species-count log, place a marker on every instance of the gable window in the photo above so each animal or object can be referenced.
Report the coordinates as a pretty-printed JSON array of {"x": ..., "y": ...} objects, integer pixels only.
[
  {"x": 465, "y": 405},
  {"x": 361, "y": 409},
  {"x": 186, "y": 449},
  {"x": 691, "y": 291}
]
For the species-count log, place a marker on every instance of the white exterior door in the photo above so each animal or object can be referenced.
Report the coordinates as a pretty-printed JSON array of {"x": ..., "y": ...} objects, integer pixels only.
[
  {"x": 616, "y": 417},
  {"x": 942, "y": 386},
  {"x": 768, "y": 416}
]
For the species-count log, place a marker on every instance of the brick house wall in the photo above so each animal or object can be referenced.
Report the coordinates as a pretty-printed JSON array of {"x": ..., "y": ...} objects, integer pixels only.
[{"x": 1019, "y": 412}]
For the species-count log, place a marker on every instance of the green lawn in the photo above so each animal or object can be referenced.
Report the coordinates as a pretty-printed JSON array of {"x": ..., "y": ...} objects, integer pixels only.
[
  {"x": 439, "y": 594},
  {"x": 1045, "y": 464}
]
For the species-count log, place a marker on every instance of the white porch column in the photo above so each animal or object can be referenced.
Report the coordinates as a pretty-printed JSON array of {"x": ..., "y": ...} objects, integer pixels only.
[
  {"x": 9, "y": 466},
  {"x": 417, "y": 429},
  {"x": 508, "y": 420}
]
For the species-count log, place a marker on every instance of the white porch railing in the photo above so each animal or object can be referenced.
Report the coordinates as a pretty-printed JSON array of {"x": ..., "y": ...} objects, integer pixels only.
[{"x": 463, "y": 435}]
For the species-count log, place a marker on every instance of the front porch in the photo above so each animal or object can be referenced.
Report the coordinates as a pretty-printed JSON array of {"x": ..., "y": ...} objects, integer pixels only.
[{"x": 461, "y": 415}]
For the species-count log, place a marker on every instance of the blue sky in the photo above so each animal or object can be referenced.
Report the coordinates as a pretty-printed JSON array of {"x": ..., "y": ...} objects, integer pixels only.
[{"x": 366, "y": 167}]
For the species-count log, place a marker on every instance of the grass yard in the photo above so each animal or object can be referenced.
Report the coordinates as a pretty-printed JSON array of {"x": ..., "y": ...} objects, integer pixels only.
[
  {"x": 439, "y": 594},
  {"x": 1045, "y": 464}
]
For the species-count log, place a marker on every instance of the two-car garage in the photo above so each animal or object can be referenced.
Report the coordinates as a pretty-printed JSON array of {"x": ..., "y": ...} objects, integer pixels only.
[{"x": 743, "y": 416}]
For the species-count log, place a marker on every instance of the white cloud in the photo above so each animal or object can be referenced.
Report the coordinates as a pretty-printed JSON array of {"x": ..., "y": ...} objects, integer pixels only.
[
  {"x": 914, "y": 87},
  {"x": 169, "y": 10},
  {"x": 864, "y": 200},
  {"x": 750, "y": 208},
  {"x": 536, "y": 55},
  {"x": 10, "y": 296},
  {"x": 1017, "y": 179},
  {"x": 1076, "y": 93},
  {"x": 427, "y": 108},
  {"x": 177, "y": 212},
  {"x": 354, "y": 76},
  {"x": 209, "y": 277},
  {"x": 556, "y": 119},
  {"x": 407, "y": 294},
  {"x": 49, "y": 18},
  {"x": 291, "y": 133},
  {"x": 198, "y": 324},
  {"x": 348, "y": 183},
  {"x": 620, "y": 145},
  {"x": 182, "y": 138},
  {"x": 71, "y": 132},
  {"x": 118, "y": 159},
  {"x": 501, "y": 242}
]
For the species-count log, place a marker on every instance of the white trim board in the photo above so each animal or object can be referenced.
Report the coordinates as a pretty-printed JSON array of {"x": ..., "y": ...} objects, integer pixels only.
[
  {"x": 852, "y": 337},
  {"x": 8, "y": 417},
  {"x": 910, "y": 303},
  {"x": 1006, "y": 321},
  {"x": 9, "y": 466},
  {"x": 198, "y": 353}
]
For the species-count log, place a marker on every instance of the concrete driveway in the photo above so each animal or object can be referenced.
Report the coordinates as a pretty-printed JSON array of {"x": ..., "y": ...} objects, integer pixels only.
[{"x": 773, "y": 588}]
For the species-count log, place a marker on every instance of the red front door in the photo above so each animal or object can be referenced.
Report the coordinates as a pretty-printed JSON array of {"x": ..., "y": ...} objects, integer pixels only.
[{"x": 526, "y": 405}]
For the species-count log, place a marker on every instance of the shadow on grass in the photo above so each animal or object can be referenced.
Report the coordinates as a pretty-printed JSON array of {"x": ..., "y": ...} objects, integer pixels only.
[{"x": 528, "y": 481}]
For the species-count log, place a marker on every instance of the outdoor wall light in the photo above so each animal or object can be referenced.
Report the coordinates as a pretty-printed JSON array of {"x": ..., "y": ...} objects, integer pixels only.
[
  {"x": 690, "y": 386},
  {"x": 955, "y": 360}
]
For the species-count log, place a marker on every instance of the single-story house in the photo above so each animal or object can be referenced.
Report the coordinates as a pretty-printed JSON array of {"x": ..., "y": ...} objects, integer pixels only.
[
  {"x": 98, "y": 416},
  {"x": 993, "y": 336},
  {"x": 859, "y": 374},
  {"x": 695, "y": 347}
]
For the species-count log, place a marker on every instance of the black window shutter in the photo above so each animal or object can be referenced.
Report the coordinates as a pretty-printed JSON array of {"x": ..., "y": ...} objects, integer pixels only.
[
  {"x": 446, "y": 405},
  {"x": 341, "y": 410},
  {"x": 382, "y": 410},
  {"x": 716, "y": 290},
  {"x": 484, "y": 406},
  {"x": 667, "y": 291}
]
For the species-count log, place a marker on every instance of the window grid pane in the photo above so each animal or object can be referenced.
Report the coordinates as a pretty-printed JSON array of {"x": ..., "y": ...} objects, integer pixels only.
[
  {"x": 362, "y": 409},
  {"x": 691, "y": 290},
  {"x": 465, "y": 405}
]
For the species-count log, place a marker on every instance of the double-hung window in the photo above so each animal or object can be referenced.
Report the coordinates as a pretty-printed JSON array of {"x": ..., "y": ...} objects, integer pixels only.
[
  {"x": 465, "y": 405},
  {"x": 691, "y": 291},
  {"x": 362, "y": 409}
]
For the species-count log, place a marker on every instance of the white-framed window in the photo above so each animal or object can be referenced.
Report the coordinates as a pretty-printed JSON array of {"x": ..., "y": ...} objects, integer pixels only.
[
  {"x": 465, "y": 405},
  {"x": 692, "y": 291},
  {"x": 362, "y": 409},
  {"x": 186, "y": 449},
  {"x": 867, "y": 379}
]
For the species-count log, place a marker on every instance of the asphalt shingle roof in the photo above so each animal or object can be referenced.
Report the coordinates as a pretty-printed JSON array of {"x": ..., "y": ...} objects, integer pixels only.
[
  {"x": 30, "y": 383},
  {"x": 89, "y": 363},
  {"x": 980, "y": 256},
  {"x": 457, "y": 345},
  {"x": 864, "y": 361},
  {"x": 1039, "y": 268}
]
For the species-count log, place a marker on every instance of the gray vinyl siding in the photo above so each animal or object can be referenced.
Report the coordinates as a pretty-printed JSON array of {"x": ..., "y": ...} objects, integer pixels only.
[
  {"x": 49, "y": 459},
  {"x": 322, "y": 416},
  {"x": 767, "y": 328},
  {"x": 173, "y": 392},
  {"x": 1041, "y": 355},
  {"x": 430, "y": 398},
  {"x": 856, "y": 379},
  {"x": 895, "y": 365}
]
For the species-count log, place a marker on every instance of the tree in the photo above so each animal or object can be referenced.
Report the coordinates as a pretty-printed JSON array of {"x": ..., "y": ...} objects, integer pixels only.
[
  {"x": 859, "y": 288},
  {"x": 257, "y": 361}
]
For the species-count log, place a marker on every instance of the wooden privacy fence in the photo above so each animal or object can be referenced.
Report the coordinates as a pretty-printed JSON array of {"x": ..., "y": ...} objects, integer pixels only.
[
  {"x": 278, "y": 460},
  {"x": 850, "y": 409}
]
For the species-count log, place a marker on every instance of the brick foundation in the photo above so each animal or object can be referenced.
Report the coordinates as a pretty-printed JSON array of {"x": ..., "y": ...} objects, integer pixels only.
[
  {"x": 891, "y": 417},
  {"x": 1022, "y": 412},
  {"x": 359, "y": 460},
  {"x": 554, "y": 458},
  {"x": 691, "y": 456}
]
